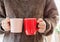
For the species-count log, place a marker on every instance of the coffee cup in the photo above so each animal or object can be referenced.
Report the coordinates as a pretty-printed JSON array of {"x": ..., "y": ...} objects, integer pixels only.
[
  {"x": 16, "y": 25},
  {"x": 30, "y": 26}
]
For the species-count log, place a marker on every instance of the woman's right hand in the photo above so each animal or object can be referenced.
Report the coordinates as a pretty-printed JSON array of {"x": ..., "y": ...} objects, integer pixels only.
[{"x": 6, "y": 24}]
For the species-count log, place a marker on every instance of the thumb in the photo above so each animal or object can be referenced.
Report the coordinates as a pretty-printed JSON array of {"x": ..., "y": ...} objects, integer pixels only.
[{"x": 7, "y": 19}]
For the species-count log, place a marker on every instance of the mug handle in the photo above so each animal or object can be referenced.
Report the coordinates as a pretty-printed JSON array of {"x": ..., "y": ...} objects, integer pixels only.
[{"x": 37, "y": 26}]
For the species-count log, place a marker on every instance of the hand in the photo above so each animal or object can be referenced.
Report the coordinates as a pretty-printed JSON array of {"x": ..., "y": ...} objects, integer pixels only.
[
  {"x": 5, "y": 24},
  {"x": 41, "y": 25}
]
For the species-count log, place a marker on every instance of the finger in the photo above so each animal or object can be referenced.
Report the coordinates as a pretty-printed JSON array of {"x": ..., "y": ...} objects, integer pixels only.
[
  {"x": 42, "y": 23},
  {"x": 41, "y": 26},
  {"x": 41, "y": 30},
  {"x": 39, "y": 20},
  {"x": 5, "y": 22}
]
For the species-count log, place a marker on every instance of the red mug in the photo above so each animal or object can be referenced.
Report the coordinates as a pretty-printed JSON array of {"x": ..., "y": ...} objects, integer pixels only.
[{"x": 30, "y": 26}]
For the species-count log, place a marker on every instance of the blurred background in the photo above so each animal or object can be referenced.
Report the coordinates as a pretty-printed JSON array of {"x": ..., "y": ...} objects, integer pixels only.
[{"x": 55, "y": 37}]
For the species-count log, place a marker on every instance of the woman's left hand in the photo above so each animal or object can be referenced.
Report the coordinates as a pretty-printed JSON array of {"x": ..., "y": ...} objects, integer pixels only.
[{"x": 41, "y": 25}]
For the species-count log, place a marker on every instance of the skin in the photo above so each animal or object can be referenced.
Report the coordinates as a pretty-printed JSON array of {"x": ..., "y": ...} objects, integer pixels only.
[
  {"x": 41, "y": 25},
  {"x": 5, "y": 24}
]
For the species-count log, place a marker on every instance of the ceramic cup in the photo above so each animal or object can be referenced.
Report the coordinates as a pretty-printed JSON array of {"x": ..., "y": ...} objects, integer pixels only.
[
  {"x": 16, "y": 25},
  {"x": 30, "y": 26}
]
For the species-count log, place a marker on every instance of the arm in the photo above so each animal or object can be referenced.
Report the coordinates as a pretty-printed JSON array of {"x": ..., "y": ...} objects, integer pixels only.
[
  {"x": 2, "y": 15},
  {"x": 50, "y": 16}
]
